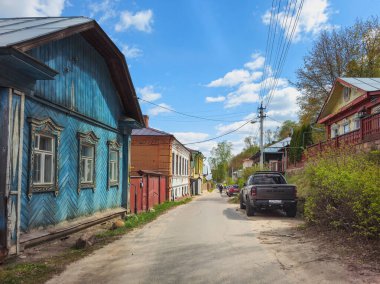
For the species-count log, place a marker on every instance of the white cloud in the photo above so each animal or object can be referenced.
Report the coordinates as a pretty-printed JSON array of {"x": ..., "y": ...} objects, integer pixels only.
[
  {"x": 256, "y": 63},
  {"x": 141, "y": 21},
  {"x": 215, "y": 99},
  {"x": 31, "y": 8},
  {"x": 147, "y": 93},
  {"x": 233, "y": 78},
  {"x": 313, "y": 19},
  {"x": 283, "y": 104},
  {"x": 105, "y": 10},
  {"x": 161, "y": 108},
  {"x": 130, "y": 52}
]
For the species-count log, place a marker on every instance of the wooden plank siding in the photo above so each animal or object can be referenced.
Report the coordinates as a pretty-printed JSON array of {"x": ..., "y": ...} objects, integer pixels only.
[{"x": 84, "y": 73}]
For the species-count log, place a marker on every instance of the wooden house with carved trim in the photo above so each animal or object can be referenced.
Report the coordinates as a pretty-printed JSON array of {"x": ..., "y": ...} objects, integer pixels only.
[
  {"x": 351, "y": 114},
  {"x": 67, "y": 109}
]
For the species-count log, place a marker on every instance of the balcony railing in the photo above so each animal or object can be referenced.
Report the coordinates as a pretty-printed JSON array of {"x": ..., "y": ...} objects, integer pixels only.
[{"x": 369, "y": 131}]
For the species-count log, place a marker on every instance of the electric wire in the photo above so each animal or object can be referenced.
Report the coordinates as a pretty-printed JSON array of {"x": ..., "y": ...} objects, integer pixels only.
[
  {"x": 217, "y": 137},
  {"x": 284, "y": 54},
  {"x": 186, "y": 114}
]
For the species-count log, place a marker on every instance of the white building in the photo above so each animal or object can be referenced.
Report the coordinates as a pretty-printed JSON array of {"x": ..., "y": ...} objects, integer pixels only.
[{"x": 180, "y": 170}]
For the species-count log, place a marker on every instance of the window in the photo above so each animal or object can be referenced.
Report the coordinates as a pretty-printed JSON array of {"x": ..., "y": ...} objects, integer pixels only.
[
  {"x": 176, "y": 164},
  {"x": 87, "y": 160},
  {"x": 346, "y": 126},
  {"x": 87, "y": 163},
  {"x": 113, "y": 163},
  {"x": 173, "y": 163},
  {"x": 346, "y": 94},
  {"x": 43, "y": 167},
  {"x": 45, "y": 135},
  {"x": 375, "y": 109},
  {"x": 268, "y": 179}
]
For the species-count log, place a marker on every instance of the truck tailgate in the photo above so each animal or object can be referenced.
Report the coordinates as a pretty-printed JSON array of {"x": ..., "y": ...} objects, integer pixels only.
[{"x": 276, "y": 192}]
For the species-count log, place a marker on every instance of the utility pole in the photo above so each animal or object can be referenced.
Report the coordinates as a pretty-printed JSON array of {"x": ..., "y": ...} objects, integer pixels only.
[{"x": 261, "y": 116}]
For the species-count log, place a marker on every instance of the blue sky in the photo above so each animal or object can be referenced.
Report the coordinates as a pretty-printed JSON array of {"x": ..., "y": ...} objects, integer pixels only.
[{"x": 204, "y": 57}]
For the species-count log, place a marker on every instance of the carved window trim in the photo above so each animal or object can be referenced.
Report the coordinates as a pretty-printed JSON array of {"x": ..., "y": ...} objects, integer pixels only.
[
  {"x": 113, "y": 146},
  {"x": 45, "y": 127},
  {"x": 86, "y": 139}
]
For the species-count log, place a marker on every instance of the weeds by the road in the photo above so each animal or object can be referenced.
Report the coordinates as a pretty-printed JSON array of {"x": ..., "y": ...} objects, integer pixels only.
[
  {"x": 43, "y": 269},
  {"x": 135, "y": 221},
  {"x": 235, "y": 199}
]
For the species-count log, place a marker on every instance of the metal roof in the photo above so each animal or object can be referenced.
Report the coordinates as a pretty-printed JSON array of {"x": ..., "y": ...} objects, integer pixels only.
[
  {"x": 366, "y": 84},
  {"x": 149, "y": 132},
  {"x": 277, "y": 146},
  {"x": 16, "y": 30}
]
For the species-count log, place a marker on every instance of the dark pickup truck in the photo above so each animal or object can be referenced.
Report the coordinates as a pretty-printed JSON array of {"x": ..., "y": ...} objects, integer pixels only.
[{"x": 268, "y": 190}]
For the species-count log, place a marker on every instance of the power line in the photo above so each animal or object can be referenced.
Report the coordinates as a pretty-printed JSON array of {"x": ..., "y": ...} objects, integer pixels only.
[
  {"x": 232, "y": 131},
  {"x": 269, "y": 45},
  {"x": 274, "y": 119},
  {"x": 185, "y": 114},
  {"x": 285, "y": 51}
]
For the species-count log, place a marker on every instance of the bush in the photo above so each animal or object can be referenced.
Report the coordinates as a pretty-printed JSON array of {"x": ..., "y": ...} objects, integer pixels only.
[{"x": 342, "y": 191}]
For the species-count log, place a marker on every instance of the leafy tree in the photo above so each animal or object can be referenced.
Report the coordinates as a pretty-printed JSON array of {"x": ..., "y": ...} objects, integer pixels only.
[
  {"x": 220, "y": 156},
  {"x": 350, "y": 52},
  {"x": 286, "y": 129},
  {"x": 249, "y": 150},
  {"x": 302, "y": 137}
]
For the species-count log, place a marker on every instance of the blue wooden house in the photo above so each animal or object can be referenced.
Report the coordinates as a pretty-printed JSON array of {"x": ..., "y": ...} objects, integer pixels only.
[{"x": 67, "y": 109}]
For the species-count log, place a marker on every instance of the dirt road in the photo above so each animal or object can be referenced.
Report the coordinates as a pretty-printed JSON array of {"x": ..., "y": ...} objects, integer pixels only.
[{"x": 212, "y": 241}]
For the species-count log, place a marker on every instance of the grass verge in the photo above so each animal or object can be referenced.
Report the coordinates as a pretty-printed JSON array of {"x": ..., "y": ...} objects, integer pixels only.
[
  {"x": 42, "y": 270},
  {"x": 234, "y": 199}
]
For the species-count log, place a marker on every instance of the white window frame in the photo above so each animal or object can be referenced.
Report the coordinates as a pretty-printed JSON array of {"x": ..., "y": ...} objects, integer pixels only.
[
  {"x": 43, "y": 154},
  {"x": 43, "y": 128},
  {"x": 87, "y": 159},
  {"x": 345, "y": 124},
  {"x": 88, "y": 139},
  {"x": 113, "y": 166}
]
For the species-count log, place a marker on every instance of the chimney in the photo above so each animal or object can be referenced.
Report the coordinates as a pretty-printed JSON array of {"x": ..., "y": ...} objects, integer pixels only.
[{"x": 146, "y": 120}]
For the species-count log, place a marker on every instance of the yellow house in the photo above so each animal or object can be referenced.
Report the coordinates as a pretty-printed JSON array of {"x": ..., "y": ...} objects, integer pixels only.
[
  {"x": 196, "y": 172},
  {"x": 351, "y": 102}
]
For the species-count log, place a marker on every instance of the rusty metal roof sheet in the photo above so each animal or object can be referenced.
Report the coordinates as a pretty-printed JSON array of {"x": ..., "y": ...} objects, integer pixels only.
[{"x": 16, "y": 30}]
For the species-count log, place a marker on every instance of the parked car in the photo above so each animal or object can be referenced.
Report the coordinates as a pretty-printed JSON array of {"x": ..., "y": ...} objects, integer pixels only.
[
  {"x": 268, "y": 190},
  {"x": 232, "y": 190}
]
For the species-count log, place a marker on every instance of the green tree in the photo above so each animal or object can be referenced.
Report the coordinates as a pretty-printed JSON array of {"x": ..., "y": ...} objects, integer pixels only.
[
  {"x": 249, "y": 150},
  {"x": 220, "y": 156},
  {"x": 286, "y": 129},
  {"x": 302, "y": 137},
  {"x": 351, "y": 52}
]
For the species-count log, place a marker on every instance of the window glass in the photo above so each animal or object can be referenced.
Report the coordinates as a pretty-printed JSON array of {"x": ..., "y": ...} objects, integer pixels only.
[
  {"x": 346, "y": 128},
  {"x": 87, "y": 163},
  {"x": 48, "y": 171},
  {"x": 87, "y": 151},
  {"x": 114, "y": 166},
  {"x": 37, "y": 168},
  {"x": 113, "y": 156},
  {"x": 43, "y": 160},
  {"x": 268, "y": 179},
  {"x": 46, "y": 143}
]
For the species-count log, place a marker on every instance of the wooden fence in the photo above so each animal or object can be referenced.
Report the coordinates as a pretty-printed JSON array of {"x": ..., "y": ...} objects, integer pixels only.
[{"x": 369, "y": 130}]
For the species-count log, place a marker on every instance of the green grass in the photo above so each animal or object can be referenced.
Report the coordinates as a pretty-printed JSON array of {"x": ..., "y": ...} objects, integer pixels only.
[
  {"x": 23, "y": 272},
  {"x": 235, "y": 199},
  {"x": 42, "y": 270}
]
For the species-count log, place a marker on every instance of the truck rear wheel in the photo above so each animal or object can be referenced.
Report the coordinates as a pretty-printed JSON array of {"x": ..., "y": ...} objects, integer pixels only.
[
  {"x": 291, "y": 211},
  {"x": 249, "y": 209}
]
